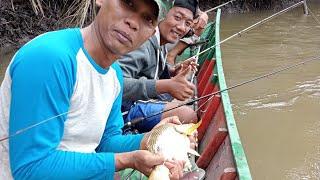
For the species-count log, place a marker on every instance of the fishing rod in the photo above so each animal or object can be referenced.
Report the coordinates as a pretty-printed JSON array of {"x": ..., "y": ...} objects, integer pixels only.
[
  {"x": 32, "y": 126},
  {"x": 211, "y": 95},
  {"x": 314, "y": 16},
  {"x": 249, "y": 28},
  {"x": 257, "y": 78},
  {"x": 219, "y": 6},
  {"x": 135, "y": 121}
]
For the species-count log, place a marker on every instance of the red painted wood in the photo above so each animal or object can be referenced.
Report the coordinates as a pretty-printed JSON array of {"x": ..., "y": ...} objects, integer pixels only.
[
  {"x": 202, "y": 86},
  {"x": 204, "y": 68},
  {"x": 210, "y": 88},
  {"x": 217, "y": 121},
  {"x": 208, "y": 115},
  {"x": 206, "y": 77},
  {"x": 213, "y": 138},
  {"x": 229, "y": 174},
  {"x": 220, "y": 166},
  {"x": 207, "y": 69}
]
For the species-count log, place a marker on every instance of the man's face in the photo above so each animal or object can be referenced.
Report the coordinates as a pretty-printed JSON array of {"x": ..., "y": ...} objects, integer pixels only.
[
  {"x": 177, "y": 23},
  {"x": 123, "y": 25}
]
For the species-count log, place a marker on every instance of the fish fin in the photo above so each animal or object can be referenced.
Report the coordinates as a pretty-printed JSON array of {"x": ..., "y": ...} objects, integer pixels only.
[
  {"x": 191, "y": 129},
  {"x": 193, "y": 152}
]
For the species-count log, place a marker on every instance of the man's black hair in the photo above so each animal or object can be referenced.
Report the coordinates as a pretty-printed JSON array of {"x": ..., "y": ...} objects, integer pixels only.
[{"x": 192, "y": 5}]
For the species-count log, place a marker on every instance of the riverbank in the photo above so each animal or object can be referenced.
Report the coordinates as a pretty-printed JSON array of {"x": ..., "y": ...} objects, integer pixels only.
[
  {"x": 244, "y": 6},
  {"x": 20, "y": 21}
]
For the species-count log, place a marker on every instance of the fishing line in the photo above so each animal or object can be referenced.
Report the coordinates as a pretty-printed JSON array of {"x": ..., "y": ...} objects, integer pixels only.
[
  {"x": 249, "y": 28},
  {"x": 314, "y": 16},
  {"x": 221, "y": 5},
  {"x": 188, "y": 103},
  {"x": 33, "y": 125},
  {"x": 243, "y": 31},
  {"x": 211, "y": 95},
  {"x": 295, "y": 5},
  {"x": 134, "y": 121},
  {"x": 196, "y": 62}
]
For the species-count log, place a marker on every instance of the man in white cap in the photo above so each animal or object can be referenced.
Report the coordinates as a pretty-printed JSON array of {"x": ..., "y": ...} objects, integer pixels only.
[{"x": 67, "y": 83}]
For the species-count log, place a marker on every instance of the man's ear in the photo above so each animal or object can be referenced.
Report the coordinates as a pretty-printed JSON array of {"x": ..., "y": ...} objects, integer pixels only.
[{"x": 99, "y": 3}]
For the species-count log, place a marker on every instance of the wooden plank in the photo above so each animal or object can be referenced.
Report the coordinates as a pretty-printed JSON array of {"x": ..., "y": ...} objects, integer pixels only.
[
  {"x": 217, "y": 124},
  {"x": 237, "y": 148},
  {"x": 229, "y": 174},
  {"x": 208, "y": 115},
  {"x": 208, "y": 89},
  {"x": 202, "y": 69},
  {"x": 206, "y": 77},
  {"x": 213, "y": 138},
  {"x": 222, "y": 166}
]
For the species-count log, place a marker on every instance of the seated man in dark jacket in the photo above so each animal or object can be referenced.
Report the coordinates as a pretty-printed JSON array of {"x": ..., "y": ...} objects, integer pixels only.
[{"x": 144, "y": 68}]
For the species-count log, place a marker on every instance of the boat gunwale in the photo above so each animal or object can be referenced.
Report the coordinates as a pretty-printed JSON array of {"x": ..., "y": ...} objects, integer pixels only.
[{"x": 236, "y": 145}]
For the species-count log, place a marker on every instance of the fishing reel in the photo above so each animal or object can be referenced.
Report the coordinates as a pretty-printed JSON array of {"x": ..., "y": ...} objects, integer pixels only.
[{"x": 130, "y": 127}]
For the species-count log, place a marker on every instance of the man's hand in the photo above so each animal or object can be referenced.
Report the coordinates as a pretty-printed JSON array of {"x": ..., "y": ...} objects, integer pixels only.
[
  {"x": 141, "y": 160},
  {"x": 200, "y": 23},
  {"x": 176, "y": 169},
  {"x": 179, "y": 87},
  {"x": 145, "y": 161},
  {"x": 171, "y": 120},
  {"x": 185, "y": 64}
]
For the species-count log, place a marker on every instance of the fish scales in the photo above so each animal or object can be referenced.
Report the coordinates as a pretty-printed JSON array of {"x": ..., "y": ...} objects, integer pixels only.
[{"x": 168, "y": 141}]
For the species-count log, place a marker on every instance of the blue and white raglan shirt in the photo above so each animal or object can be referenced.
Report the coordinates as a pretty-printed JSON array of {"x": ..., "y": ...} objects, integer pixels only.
[{"x": 53, "y": 76}]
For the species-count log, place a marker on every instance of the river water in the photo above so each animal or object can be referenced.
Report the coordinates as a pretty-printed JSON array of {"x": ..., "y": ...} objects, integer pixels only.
[{"x": 278, "y": 117}]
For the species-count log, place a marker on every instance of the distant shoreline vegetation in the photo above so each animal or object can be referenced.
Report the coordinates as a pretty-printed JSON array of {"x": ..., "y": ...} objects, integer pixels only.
[
  {"x": 22, "y": 20},
  {"x": 242, "y": 6}
]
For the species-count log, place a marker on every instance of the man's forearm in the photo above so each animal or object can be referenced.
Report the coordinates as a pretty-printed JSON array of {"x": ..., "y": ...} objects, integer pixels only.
[
  {"x": 124, "y": 160},
  {"x": 175, "y": 51},
  {"x": 142, "y": 88},
  {"x": 163, "y": 86}
]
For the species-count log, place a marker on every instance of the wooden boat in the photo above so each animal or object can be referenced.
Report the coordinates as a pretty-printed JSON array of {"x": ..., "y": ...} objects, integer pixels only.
[{"x": 222, "y": 154}]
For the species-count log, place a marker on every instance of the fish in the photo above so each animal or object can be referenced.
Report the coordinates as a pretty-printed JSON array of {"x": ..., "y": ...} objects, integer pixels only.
[{"x": 171, "y": 141}]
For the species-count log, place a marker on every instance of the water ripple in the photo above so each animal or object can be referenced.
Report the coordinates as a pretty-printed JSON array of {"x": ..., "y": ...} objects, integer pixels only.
[
  {"x": 277, "y": 105},
  {"x": 310, "y": 169},
  {"x": 311, "y": 88}
]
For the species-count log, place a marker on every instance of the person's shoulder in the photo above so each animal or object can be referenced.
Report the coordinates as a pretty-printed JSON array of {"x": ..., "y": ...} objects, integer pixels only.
[
  {"x": 61, "y": 40},
  {"x": 136, "y": 55},
  {"x": 146, "y": 46},
  {"x": 49, "y": 49},
  {"x": 117, "y": 68},
  {"x": 152, "y": 42},
  {"x": 55, "y": 43}
]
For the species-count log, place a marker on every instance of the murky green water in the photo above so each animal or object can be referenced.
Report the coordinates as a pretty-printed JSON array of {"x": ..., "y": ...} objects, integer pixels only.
[{"x": 278, "y": 117}]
